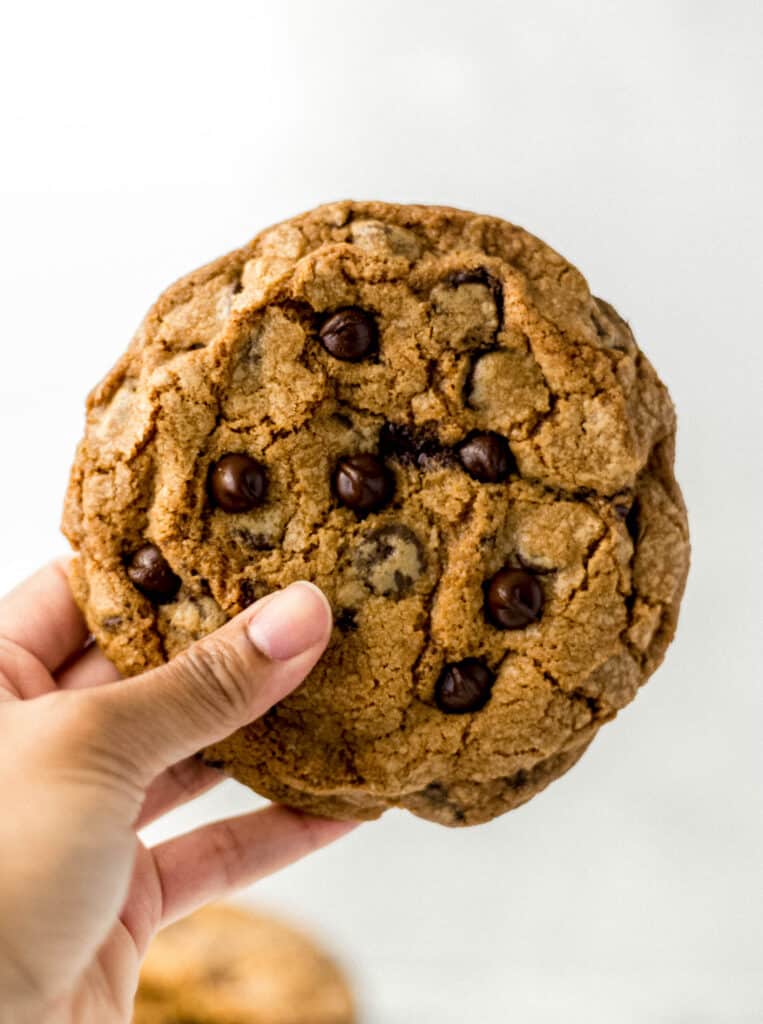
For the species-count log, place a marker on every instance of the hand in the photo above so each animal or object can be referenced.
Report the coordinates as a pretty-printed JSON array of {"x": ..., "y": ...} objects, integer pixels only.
[{"x": 86, "y": 760}]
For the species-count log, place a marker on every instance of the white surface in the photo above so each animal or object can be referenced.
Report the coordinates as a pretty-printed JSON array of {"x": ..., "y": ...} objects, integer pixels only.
[{"x": 142, "y": 140}]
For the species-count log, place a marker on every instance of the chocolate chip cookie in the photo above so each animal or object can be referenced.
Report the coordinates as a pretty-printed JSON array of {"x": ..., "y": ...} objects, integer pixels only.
[
  {"x": 227, "y": 966},
  {"x": 427, "y": 413}
]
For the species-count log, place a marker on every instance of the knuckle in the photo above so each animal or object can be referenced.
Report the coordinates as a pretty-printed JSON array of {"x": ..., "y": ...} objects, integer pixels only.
[
  {"x": 84, "y": 739},
  {"x": 185, "y": 777},
  {"x": 8, "y": 649},
  {"x": 220, "y": 676},
  {"x": 92, "y": 712},
  {"x": 89, "y": 721},
  {"x": 11, "y": 658}
]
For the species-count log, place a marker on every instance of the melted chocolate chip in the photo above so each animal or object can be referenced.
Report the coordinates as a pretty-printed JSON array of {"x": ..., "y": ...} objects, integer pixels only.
[
  {"x": 362, "y": 482},
  {"x": 237, "y": 483},
  {"x": 150, "y": 573},
  {"x": 252, "y": 540},
  {"x": 342, "y": 419},
  {"x": 464, "y": 686},
  {"x": 349, "y": 334},
  {"x": 413, "y": 445},
  {"x": 513, "y": 599},
  {"x": 389, "y": 560},
  {"x": 487, "y": 457}
]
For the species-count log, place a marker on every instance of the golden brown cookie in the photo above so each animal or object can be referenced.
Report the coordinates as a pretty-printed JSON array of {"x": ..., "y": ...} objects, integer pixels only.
[
  {"x": 222, "y": 965},
  {"x": 425, "y": 412}
]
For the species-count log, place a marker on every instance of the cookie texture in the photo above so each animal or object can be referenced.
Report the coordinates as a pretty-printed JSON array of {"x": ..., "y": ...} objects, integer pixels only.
[
  {"x": 223, "y": 965},
  {"x": 425, "y": 412}
]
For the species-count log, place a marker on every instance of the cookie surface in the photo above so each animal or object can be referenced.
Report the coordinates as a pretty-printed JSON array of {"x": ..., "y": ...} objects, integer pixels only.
[
  {"x": 425, "y": 412},
  {"x": 223, "y": 965}
]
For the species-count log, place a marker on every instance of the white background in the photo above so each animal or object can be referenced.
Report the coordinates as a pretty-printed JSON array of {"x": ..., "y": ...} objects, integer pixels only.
[{"x": 140, "y": 140}]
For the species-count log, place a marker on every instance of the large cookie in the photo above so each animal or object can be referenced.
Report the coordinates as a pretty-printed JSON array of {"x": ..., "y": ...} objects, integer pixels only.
[
  {"x": 222, "y": 965},
  {"x": 425, "y": 412}
]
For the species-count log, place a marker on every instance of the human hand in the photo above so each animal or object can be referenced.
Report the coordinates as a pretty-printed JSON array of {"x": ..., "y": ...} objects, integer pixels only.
[{"x": 87, "y": 760}]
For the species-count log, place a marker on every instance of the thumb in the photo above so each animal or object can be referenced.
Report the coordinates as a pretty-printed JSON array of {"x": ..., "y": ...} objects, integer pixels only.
[{"x": 217, "y": 685}]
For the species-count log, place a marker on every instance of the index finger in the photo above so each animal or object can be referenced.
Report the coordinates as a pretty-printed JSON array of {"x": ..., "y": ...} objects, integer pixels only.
[{"x": 41, "y": 616}]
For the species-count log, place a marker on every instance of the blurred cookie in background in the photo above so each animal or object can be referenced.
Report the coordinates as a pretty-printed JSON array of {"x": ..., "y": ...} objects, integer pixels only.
[{"x": 225, "y": 965}]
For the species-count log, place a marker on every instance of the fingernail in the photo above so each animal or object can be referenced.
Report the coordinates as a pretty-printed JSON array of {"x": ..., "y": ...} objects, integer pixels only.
[{"x": 291, "y": 621}]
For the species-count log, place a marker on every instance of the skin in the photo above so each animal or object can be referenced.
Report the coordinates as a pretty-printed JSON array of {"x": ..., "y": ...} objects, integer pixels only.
[{"x": 87, "y": 759}]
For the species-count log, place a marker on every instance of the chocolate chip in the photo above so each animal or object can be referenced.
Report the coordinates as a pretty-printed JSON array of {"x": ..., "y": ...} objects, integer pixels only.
[
  {"x": 518, "y": 779},
  {"x": 342, "y": 419},
  {"x": 418, "y": 446},
  {"x": 610, "y": 326},
  {"x": 345, "y": 620},
  {"x": 479, "y": 275},
  {"x": 362, "y": 482},
  {"x": 513, "y": 598},
  {"x": 464, "y": 686},
  {"x": 247, "y": 592},
  {"x": 436, "y": 794},
  {"x": 487, "y": 457},
  {"x": 349, "y": 334},
  {"x": 150, "y": 573},
  {"x": 389, "y": 560},
  {"x": 237, "y": 483}
]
